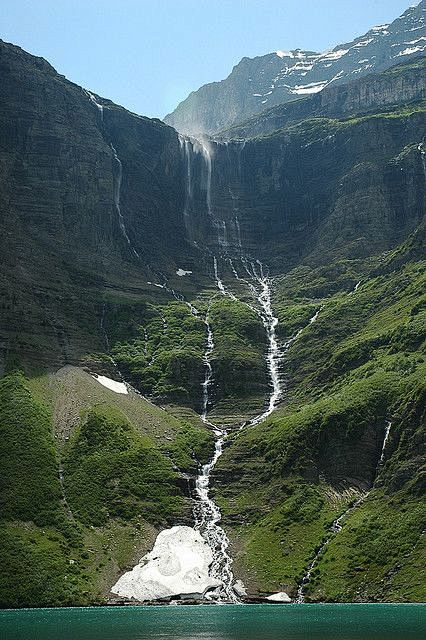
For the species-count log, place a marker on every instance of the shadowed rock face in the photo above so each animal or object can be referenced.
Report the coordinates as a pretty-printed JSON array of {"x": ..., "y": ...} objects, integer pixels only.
[
  {"x": 318, "y": 189},
  {"x": 276, "y": 78},
  {"x": 61, "y": 243},
  {"x": 311, "y": 190}
]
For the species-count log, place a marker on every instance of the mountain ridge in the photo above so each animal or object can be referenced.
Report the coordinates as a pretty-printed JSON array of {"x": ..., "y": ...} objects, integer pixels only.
[
  {"x": 264, "y": 81},
  {"x": 172, "y": 265}
]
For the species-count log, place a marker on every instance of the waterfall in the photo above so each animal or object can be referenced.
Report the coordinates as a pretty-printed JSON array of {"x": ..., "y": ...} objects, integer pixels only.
[
  {"x": 207, "y": 517},
  {"x": 185, "y": 146},
  {"x": 208, "y": 368},
  {"x": 355, "y": 289},
  {"x": 234, "y": 198},
  {"x": 204, "y": 148},
  {"x": 262, "y": 294},
  {"x": 223, "y": 290},
  {"x": 337, "y": 524},
  {"x": 117, "y": 193},
  {"x": 98, "y": 106},
  {"x": 206, "y": 513},
  {"x": 421, "y": 148},
  {"x": 118, "y": 177},
  {"x": 385, "y": 441},
  {"x": 270, "y": 323}
]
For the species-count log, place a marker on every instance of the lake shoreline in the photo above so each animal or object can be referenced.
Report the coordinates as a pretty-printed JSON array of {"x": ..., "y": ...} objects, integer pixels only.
[{"x": 196, "y": 604}]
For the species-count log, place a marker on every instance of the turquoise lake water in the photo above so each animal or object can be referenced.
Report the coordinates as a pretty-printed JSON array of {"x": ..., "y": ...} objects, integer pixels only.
[{"x": 215, "y": 622}]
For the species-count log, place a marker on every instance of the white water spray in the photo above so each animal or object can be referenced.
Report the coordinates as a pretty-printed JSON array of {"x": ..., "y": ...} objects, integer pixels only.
[
  {"x": 385, "y": 441},
  {"x": 186, "y": 147},
  {"x": 207, "y": 517},
  {"x": 98, "y": 106},
  {"x": 206, "y": 513},
  {"x": 270, "y": 323},
  {"x": 355, "y": 289},
  {"x": 208, "y": 368}
]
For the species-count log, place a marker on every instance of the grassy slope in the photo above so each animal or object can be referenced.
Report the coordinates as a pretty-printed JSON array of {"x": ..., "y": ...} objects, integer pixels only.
[
  {"x": 121, "y": 484},
  {"x": 282, "y": 484}
]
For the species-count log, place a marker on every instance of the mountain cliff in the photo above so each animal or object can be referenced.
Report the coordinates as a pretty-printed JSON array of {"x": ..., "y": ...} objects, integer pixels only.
[
  {"x": 260, "y": 83},
  {"x": 272, "y": 286}
]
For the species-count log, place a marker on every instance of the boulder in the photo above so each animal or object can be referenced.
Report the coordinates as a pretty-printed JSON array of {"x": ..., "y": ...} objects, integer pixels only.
[{"x": 282, "y": 596}]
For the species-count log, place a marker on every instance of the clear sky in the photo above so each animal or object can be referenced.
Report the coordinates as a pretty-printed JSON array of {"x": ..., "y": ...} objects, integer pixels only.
[{"x": 149, "y": 54}]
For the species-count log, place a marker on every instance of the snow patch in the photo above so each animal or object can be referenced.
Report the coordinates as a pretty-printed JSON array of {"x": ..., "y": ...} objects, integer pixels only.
[
  {"x": 118, "y": 387},
  {"x": 182, "y": 272},
  {"x": 380, "y": 27},
  {"x": 178, "y": 565},
  {"x": 304, "y": 89},
  {"x": 409, "y": 51},
  {"x": 290, "y": 54},
  {"x": 364, "y": 43},
  {"x": 334, "y": 55}
]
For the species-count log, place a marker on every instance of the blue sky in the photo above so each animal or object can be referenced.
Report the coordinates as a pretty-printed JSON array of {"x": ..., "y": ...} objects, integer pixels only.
[{"x": 149, "y": 54}]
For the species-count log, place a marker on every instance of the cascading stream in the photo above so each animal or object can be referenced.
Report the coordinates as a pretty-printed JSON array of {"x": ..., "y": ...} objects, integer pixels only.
[
  {"x": 337, "y": 524},
  {"x": 207, "y": 517},
  {"x": 208, "y": 368},
  {"x": 270, "y": 323},
  {"x": 206, "y": 513},
  {"x": 422, "y": 149},
  {"x": 262, "y": 293},
  {"x": 117, "y": 193}
]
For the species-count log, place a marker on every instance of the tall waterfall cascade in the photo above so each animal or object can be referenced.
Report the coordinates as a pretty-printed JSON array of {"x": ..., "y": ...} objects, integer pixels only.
[{"x": 213, "y": 578}]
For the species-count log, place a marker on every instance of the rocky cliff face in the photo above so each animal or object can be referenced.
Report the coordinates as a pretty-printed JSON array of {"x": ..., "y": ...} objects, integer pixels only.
[
  {"x": 123, "y": 246},
  {"x": 62, "y": 240},
  {"x": 257, "y": 84},
  {"x": 401, "y": 84},
  {"x": 67, "y": 163},
  {"x": 302, "y": 191}
]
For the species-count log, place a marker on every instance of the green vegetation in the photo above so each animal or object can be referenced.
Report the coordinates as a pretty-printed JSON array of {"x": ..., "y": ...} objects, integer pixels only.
[
  {"x": 36, "y": 539},
  {"x": 88, "y": 477},
  {"x": 282, "y": 483},
  {"x": 111, "y": 471},
  {"x": 238, "y": 359},
  {"x": 161, "y": 349},
  {"x": 66, "y": 546},
  {"x": 162, "y": 354},
  {"x": 378, "y": 556},
  {"x": 29, "y": 488}
]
